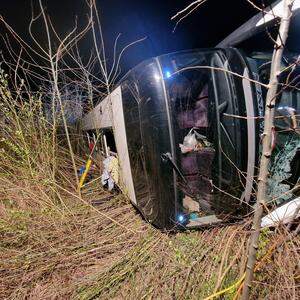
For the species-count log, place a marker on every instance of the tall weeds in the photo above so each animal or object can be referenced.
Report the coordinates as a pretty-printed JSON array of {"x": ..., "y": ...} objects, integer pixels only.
[{"x": 26, "y": 141}]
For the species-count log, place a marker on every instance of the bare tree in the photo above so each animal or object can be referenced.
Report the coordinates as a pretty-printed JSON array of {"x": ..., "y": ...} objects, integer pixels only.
[{"x": 267, "y": 143}]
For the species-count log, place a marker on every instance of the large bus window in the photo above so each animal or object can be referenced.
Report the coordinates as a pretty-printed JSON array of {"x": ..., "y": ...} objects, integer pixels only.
[
  {"x": 209, "y": 145},
  {"x": 190, "y": 105}
]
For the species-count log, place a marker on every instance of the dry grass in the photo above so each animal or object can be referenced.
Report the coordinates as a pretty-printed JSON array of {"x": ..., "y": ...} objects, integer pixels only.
[
  {"x": 54, "y": 245},
  {"x": 76, "y": 253}
]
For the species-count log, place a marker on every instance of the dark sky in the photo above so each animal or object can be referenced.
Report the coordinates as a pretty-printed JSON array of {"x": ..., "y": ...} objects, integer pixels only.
[{"x": 136, "y": 19}]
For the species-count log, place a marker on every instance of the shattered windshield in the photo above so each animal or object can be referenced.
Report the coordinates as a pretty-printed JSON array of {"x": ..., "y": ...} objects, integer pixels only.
[{"x": 285, "y": 160}]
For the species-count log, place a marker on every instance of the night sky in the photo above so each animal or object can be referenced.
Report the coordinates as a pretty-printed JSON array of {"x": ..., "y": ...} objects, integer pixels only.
[{"x": 134, "y": 19}]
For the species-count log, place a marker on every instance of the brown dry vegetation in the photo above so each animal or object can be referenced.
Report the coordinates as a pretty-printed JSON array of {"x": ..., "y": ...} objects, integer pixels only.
[
  {"x": 76, "y": 252},
  {"x": 55, "y": 245}
]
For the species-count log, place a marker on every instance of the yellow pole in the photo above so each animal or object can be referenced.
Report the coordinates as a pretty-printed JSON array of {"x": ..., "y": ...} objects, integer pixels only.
[{"x": 84, "y": 174}]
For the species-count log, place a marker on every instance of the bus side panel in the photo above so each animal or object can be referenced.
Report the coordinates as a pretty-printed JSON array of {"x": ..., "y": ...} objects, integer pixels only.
[{"x": 99, "y": 117}]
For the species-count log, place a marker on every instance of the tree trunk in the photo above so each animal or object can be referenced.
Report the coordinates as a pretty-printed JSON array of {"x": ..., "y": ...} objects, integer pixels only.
[{"x": 267, "y": 144}]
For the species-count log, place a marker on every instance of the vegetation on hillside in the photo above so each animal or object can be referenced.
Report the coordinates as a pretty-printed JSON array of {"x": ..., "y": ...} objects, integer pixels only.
[{"x": 55, "y": 245}]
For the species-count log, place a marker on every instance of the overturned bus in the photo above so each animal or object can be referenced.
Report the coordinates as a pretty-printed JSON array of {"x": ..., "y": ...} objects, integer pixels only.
[{"x": 187, "y": 129}]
